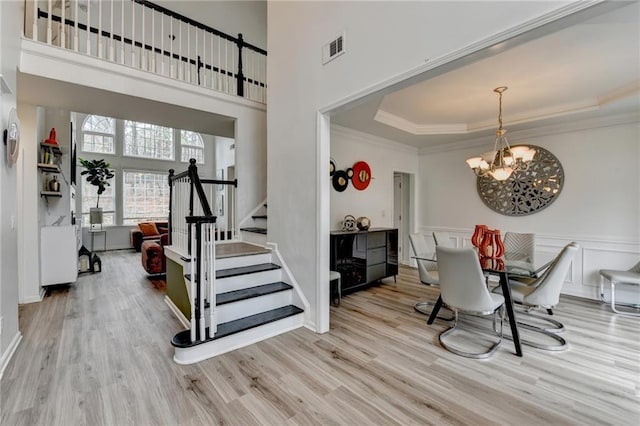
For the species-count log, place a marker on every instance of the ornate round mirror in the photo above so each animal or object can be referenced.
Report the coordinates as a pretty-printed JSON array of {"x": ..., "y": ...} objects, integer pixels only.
[
  {"x": 12, "y": 138},
  {"x": 526, "y": 191}
]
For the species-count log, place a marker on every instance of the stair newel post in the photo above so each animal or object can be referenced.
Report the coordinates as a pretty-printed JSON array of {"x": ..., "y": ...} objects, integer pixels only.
[
  {"x": 211, "y": 248},
  {"x": 192, "y": 283},
  {"x": 240, "y": 75},
  {"x": 200, "y": 280},
  {"x": 170, "y": 180}
]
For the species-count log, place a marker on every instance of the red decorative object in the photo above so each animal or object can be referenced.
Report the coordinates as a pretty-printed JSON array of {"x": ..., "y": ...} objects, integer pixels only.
[
  {"x": 52, "y": 137},
  {"x": 491, "y": 245},
  {"x": 361, "y": 175},
  {"x": 476, "y": 239},
  {"x": 491, "y": 263}
]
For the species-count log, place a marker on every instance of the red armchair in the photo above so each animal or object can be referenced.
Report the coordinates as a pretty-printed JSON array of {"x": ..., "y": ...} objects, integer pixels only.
[
  {"x": 147, "y": 231},
  {"x": 153, "y": 259}
]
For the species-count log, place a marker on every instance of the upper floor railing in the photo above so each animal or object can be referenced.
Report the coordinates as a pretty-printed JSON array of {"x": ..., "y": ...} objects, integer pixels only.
[{"x": 149, "y": 37}]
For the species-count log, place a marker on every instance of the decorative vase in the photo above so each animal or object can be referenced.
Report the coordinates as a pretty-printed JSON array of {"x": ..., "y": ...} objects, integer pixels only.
[
  {"x": 476, "y": 238},
  {"x": 491, "y": 245}
]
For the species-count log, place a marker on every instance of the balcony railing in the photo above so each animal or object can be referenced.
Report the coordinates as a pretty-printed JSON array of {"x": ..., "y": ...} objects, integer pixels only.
[{"x": 148, "y": 37}]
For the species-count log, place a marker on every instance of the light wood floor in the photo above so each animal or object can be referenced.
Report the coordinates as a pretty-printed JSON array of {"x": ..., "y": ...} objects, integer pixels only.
[{"x": 98, "y": 353}]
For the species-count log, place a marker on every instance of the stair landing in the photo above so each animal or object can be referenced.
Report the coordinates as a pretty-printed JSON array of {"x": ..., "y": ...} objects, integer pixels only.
[{"x": 235, "y": 249}]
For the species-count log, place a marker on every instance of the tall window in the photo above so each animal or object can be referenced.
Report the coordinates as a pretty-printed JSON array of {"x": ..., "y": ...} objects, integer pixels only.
[
  {"x": 148, "y": 140},
  {"x": 98, "y": 134},
  {"x": 145, "y": 196},
  {"x": 107, "y": 202},
  {"x": 192, "y": 146}
]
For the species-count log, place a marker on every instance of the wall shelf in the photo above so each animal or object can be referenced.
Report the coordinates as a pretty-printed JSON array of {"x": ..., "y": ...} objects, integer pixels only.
[
  {"x": 50, "y": 194},
  {"x": 49, "y": 168}
]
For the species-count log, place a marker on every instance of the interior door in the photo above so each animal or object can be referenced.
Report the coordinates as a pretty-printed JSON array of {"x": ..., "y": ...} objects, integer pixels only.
[{"x": 398, "y": 211}]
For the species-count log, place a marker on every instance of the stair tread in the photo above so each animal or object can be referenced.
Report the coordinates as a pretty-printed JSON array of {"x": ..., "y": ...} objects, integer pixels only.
[
  {"x": 182, "y": 339},
  {"x": 259, "y": 216},
  {"x": 248, "y": 293},
  {"x": 255, "y": 229},
  {"x": 242, "y": 270}
]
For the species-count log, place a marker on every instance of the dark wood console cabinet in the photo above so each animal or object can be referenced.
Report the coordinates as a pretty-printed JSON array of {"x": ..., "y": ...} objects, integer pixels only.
[{"x": 364, "y": 257}]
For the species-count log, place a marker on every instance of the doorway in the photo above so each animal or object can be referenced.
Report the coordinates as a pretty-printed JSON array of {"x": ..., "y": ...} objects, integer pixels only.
[{"x": 402, "y": 217}]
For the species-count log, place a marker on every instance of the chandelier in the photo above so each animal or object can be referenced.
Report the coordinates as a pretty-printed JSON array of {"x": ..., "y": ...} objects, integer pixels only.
[{"x": 503, "y": 160}]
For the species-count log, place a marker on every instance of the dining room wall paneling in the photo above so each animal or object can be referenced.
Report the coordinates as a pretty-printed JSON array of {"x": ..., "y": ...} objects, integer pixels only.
[
  {"x": 598, "y": 207},
  {"x": 384, "y": 158}
]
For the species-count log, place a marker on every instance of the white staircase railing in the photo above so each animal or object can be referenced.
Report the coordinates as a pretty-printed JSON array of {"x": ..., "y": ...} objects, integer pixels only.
[
  {"x": 193, "y": 231},
  {"x": 149, "y": 37}
]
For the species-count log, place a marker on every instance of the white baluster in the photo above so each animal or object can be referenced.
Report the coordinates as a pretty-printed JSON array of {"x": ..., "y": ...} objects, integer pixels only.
[
  {"x": 34, "y": 27},
  {"x": 226, "y": 66},
  {"x": 88, "y": 49},
  {"x": 172, "y": 38},
  {"x": 122, "y": 32},
  {"x": 143, "y": 51},
  {"x": 50, "y": 12},
  {"x": 213, "y": 323},
  {"x": 162, "y": 43},
  {"x": 180, "y": 65},
  {"x": 153, "y": 40},
  {"x": 193, "y": 283},
  {"x": 201, "y": 280},
  {"x": 133, "y": 34},
  {"x": 189, "y": 68},
  {"x": 112, "y": 48},
  {"x": 63, "y": 25},
  {"x": 212, "y": 61},
  {"x": 100, "y": 46},
  {"x": 218, "y": 76}
]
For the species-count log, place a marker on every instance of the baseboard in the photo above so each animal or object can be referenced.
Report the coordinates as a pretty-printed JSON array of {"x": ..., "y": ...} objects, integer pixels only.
[
  {"x": 179, "y": 315},
  {"x": 35, "y": 299},
  {"x": 8, "y": 354}
]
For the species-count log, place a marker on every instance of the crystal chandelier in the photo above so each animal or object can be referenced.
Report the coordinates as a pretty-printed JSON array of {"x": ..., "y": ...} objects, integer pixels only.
[{"x": 503, "y": 160}]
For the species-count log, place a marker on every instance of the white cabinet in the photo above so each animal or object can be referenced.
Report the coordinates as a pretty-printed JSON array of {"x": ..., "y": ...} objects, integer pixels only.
[{"x": 58, "y": 255}]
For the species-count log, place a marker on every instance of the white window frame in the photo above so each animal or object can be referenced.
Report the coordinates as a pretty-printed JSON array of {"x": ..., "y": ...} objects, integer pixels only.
[
  {"x": 96, "y": 133},
  {"x": 133, "y": 220},
  {"x": 189, "y": 145},
  {"x": 135, "y": 131}
]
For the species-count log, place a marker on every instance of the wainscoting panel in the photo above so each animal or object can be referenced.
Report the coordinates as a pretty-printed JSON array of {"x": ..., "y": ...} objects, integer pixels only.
[{"x": 583, "y": 279}]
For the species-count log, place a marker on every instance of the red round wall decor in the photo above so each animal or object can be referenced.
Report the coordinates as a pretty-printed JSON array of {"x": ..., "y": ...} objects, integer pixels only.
[{"x": 361, "y": 175}]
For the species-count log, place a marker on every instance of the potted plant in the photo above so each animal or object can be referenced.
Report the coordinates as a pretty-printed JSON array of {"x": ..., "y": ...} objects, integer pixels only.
[{"x": 98, "y": 174}]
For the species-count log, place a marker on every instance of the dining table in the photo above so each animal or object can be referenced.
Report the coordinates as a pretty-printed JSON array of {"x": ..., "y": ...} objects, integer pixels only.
[{"x": 503, "y": 268}]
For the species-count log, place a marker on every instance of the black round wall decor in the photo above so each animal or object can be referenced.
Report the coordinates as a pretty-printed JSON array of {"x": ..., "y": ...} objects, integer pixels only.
[{"x": 526, "y": 191}]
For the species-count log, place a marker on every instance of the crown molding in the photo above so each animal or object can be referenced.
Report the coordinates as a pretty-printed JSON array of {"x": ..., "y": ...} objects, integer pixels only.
[
  {"x": 358, "y": 136},
  {"x": 408, "y": 126},
  {"x": 518, "y": 137}
]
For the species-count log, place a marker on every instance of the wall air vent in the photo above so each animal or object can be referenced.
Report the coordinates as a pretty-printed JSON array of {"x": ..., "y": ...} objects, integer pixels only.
[{"x": 333, "y": 49}]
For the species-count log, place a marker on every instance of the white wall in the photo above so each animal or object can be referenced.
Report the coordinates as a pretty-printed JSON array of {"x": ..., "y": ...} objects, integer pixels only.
[
  {"x": 598, "y": 206},
  {"x": 383, "y": 40},
  {"x": 10, "y": 30},
  {"x": 384, "y": 158}
]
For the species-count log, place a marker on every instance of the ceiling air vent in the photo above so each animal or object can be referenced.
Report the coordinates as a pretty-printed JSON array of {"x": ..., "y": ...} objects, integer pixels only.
[{"x": 333, "y": 49}]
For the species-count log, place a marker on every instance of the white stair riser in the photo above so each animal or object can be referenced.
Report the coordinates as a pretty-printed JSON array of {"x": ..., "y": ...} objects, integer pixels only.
[
  {"x": 235, "y": 341},
  {"x": 247, "y": 280},
  {"x": 255, "y": 305},
  {"x": 240, "y": 261},
  {"x": 252, "y": 237}
]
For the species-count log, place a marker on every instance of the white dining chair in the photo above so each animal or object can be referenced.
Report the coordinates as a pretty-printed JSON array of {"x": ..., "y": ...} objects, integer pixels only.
[
  {"x": 443, "y": 239},
  {"x": 427, "y": 270},
  {"x": 631, "y": 276},
  {"x": 463, "y": 290}
]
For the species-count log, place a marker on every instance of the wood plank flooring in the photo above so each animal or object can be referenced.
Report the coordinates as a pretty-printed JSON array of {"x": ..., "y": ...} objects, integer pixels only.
[{"x": 98, "y": 353}]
